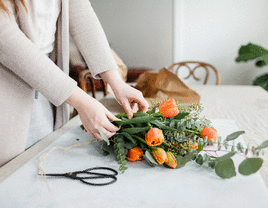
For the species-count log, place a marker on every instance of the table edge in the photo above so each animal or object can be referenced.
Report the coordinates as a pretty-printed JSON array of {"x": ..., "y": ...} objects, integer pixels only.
[{"x": 26, "y": 156}]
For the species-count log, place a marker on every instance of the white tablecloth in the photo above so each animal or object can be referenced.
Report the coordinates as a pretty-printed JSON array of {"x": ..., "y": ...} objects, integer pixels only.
[
  {"x": 140, "y": 186},
  {"x": 248, "y": 105}
]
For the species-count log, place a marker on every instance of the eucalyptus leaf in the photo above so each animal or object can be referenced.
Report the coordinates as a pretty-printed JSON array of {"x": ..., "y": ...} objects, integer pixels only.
[
  {"x": 234, "y": 135},
  {"x": 250, "y": 166},
  {"x": 263, "y": 145},
  {"x": 226, "y": 156},
  {"x": 199, "y": 160},
  {"x": 179, "y": 160},
  {"x": 225, "y": 168},
  {"x": 104, "y": 137}
]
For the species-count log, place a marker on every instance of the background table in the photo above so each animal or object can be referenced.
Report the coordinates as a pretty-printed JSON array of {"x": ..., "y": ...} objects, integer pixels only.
[{"x": 248, "y": 105}]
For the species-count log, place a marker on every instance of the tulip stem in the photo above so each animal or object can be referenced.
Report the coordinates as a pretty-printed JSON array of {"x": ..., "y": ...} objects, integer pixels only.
[
  {"x": 155, "y": 114},
  {"x": 140, "y": 139}
]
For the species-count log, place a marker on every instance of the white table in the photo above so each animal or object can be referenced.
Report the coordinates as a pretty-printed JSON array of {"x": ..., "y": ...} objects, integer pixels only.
[
  {"x": 140, "y": 186},
  {"x": 248, "y": 105}
]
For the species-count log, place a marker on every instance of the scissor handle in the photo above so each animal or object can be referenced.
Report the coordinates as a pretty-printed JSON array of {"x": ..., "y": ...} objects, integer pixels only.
[{"x": 97, "y": 176}]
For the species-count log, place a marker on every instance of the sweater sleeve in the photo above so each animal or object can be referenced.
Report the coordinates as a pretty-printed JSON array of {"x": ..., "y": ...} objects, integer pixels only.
[
  {"x": 90, "y": 38},
  {"x": 26, "y": 60}
]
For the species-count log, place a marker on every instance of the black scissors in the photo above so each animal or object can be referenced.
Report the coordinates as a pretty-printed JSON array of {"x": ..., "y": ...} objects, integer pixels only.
[{"x": 89, "y": 171}]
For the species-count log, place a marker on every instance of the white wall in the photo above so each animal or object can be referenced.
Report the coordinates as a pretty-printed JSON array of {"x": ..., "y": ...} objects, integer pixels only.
[
  {"x": 212, "y": 31},
  {"x": 139, "y": 31}
]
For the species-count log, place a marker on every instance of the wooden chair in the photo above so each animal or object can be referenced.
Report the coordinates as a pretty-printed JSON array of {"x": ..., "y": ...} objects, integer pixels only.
[
  {"x": 192, "y": 66},
  {"x": 87, "y": 83}
]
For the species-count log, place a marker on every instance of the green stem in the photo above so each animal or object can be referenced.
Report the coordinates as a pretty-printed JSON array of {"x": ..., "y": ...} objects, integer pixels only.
[
  {"x": 155, "y": 114},
  {"x": 192, "y": 131},
  {"x": 140, "y": 139}
]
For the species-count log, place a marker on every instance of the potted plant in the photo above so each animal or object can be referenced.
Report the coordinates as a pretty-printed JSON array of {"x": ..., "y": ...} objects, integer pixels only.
[{"x": 260, "y": 55}]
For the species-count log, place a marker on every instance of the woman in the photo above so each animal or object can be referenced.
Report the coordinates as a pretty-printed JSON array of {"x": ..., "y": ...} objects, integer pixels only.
[{"x": 34, "y": 63}]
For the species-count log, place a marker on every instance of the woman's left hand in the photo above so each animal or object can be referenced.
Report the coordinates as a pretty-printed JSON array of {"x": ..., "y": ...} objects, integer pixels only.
[{"x": 126, "y": 95}]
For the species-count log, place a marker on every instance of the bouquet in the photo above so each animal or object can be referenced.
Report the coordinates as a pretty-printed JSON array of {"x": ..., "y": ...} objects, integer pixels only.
[{"x": 172, "y": 135}]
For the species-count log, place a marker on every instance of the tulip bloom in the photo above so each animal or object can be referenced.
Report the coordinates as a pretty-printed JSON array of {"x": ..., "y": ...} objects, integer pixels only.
[
  {"x": 211, "y": 133},
  {"x": 172, "y": 162},
  {"x": 135, "y": 154},
  {"x": 169, "y": 109},
  {"x": 160, "y": 155},
  {"x": 154, "y": 137}
]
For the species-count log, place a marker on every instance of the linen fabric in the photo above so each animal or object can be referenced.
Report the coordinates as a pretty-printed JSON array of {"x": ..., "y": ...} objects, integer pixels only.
[{"x": 24, "y": 68}]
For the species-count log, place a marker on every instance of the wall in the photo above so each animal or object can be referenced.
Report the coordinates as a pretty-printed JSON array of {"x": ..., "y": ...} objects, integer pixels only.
[
  {"x": 139, "y": 31},
  {"x": 212, "y": 31},
  {"x": 144, "y": 34}
]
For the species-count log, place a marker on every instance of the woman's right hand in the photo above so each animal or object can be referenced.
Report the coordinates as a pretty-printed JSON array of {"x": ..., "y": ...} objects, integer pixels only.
[{"x": 93, "y": 114}]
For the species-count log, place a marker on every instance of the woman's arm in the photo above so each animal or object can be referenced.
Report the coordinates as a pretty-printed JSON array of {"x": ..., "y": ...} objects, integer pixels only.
[{"x": 20, "y": 55}]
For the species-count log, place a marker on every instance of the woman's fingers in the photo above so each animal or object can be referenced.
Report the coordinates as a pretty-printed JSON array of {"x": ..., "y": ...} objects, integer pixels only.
[
  {"x": 105, "y": 131},
  {"x": 127, "y": 108}
]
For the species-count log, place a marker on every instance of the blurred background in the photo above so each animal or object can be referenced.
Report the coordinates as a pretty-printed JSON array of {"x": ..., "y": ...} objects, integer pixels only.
[{"x": 154, "y": 33}]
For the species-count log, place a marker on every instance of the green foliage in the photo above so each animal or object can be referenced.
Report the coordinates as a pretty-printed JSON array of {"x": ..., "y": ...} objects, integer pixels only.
[
  {"x": 225, "y": 168},
  {"x": 104, "y": 137},
  {"x": 120, "y": 152},
  {"x": 150, "y": 159},
  {"x": 252, "y": 52},
  {"x": 250, "y": 166},
  {"x": 181, "y": 133},
  {"x": 234, "y": 135},
  {"x": 262, "y": 81}
]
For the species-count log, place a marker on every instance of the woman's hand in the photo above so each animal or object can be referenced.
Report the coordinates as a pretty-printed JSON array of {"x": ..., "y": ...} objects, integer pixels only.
[
  {"x": 93, "y": 114},
  {"x": 126, "y": 95}
]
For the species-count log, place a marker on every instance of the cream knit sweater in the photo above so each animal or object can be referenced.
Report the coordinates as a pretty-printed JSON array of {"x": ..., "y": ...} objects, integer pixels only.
[{"x": 23, "y": 67}]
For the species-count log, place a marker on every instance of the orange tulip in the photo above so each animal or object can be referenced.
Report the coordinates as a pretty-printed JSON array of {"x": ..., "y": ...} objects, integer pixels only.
[
  {"x": 172, "y": 162},
  {"x": 154, "y": 137},
  {"x": 160, "y": 155},
  {"x": 134, "y": 154},
  {"x": 211, "y": 133},
  {"x": 169, "y": 109}
]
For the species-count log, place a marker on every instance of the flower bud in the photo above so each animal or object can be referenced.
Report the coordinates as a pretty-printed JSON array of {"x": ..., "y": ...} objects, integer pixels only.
[
  {"x": 172, "y": 162},
  {"x": 169, "y": 109},
  {"x": 135, "y": 154},
  {"x": 210, "y": 133},
  {"x": 160, "y": 155},
  {"x": 154, "y": 137}
]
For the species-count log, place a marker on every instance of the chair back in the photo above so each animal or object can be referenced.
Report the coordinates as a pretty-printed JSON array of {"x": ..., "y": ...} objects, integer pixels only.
[{"x": 192, "y": 66}]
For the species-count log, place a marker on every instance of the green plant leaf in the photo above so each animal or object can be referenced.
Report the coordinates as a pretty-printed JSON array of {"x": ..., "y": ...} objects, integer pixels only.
[
  {"x": 226, "y": 156},
  {"x": 104, "y": 137},
  {"x": 234, "y": 135},
  {"x": 251, "y": 52},
  {"x": 149, "y": 158},
  {"x": 225, "y": 168},
  {"x": 262, "y": 81},
  {"x": 179, "y": 160},
  {"x": 162, "y": 126},
  {"x": 135, "y": 130},
  {"x": 199, "y": 160},
  {"x": 128, "y": 136},
  {"x": 181, "y": 115},
  {"x": 129, "y": 145},
  {"x": 250, "y": 166}
]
